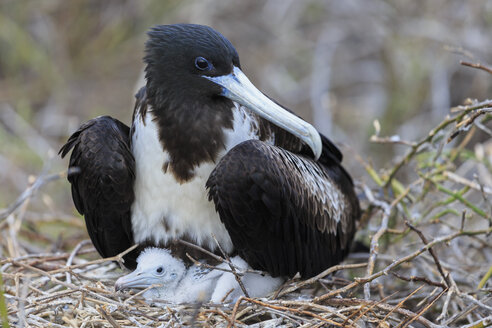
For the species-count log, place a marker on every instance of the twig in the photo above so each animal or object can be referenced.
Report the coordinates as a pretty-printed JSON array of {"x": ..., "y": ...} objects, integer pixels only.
[
  {"x": 431, "y": 251},
  {"x": 475, "y": 301},
  {"x": 369, "y": 308},
  {"x": 234, "y": 312},
  {"x": 477, "y": 65},
  {"x": 416, "y": 147},
  {"x": 382, "y": 306},
  {"x": 140, "y": 292},
  {"x": 460, "y": 198},
  {"x": 466, "y": 123},
  {"x": 310, "y": 305},
  {"x": 45, "y": 256},
  {"x": 424, "y": 309},
  {"x": 484, "y": 196},
  {"x": 298, "y": 311},
  {"x": 391, "y": 140},
  {"x": 72, "y": 255},
  {"x": 375, "y": 245},
  {"x": 445, "y": 306},
  {"x": 201, "y": 249},
  {"x": 46, "y": 322},
  {"x": 222, "y": 314},
  {"x": 29, "y": 192},
  {"x": 233, "y": 267},
  {"x": 320, "y": 276},
  {"x": 485, "y": 278},
  {"x": 214, "y": 256},
  {"x": 116, "y": 258},
  {"x": 387, "y": 208},
  {"x": 471, "y": 105},
  {"x": 108, "y": 317},
  {"x": 399, "y": 305},
  {"x": 240, "y": 272},
  {"x": 422, "y": 279},
  {"x": 482, "y": 127},
  {"x": 483, "y": 322},
  {"x": 459, "y": 179}
]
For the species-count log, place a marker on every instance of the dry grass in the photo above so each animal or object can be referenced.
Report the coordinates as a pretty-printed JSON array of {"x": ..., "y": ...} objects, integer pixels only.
[{"x": 428, "y": 266}]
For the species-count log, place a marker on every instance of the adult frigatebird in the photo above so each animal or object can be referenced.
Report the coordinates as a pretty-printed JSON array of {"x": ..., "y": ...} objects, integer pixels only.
[{"x": 210, "y": 156}]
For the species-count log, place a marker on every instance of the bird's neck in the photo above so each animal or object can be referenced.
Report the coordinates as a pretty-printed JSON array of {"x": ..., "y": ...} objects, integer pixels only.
[{"x": 192, "y": 133}]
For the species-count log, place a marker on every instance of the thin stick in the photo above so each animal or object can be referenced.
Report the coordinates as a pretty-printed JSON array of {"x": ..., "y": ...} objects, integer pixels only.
[
  {"x": 323, "y": 274},
  {"x": 456, "y": 178},
  {"x": 382, "y": 306},
  {"x": 369, "y": 308},
  {"x": 72, "y": 255},
  {"x": 477, "y": 65},
  {"x": 425, "y": 308},
  {"x": 108, "y": 317},
  {"x": 211, "y": 267},
  {"x": 387, "y": 208},
  {"x": 117, "y": 258},
  {"x": 400, "y": 304},
  {"x": 234, "y": 311},
  {"x": 422, "y": 279},
  {"x": 415, "y": 148},
  {"x": 215, "y": 256},
  {"x": 431, "y": 251},
  {"x": 203, "y": 250},
  {"x": 298, "y": 311},
  {"x": 141, "y": 292},
  {"x": 445, "y": 306},
  {"x": 29, "y": 192},
  {"x": 233, "y": 268}
]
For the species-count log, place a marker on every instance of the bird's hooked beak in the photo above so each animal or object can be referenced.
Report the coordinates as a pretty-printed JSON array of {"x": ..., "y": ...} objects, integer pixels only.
[
  {"x": 237, "y": 87},
  {"x": 136, "y": 279}
]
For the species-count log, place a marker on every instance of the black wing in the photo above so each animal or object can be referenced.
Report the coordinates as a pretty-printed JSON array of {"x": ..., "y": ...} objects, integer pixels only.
[
  {"x": 103, "y": 190},
  {"x": 285, "y": 213}
]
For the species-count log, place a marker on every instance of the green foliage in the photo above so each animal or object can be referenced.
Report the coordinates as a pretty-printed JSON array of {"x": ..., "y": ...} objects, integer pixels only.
[{"x": 3, "y": 306}]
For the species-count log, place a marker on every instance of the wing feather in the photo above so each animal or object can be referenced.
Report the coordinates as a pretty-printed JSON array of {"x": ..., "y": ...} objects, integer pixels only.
[
  {"x": 285, "y": 213},
  {"x": 103, "y": 189}
]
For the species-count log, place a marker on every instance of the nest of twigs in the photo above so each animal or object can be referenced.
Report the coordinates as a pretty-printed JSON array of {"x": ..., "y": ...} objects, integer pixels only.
[{"x": 428, "y": 264}]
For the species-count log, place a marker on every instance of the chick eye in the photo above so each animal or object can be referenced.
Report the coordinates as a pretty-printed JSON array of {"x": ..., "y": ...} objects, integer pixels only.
[
  {"x": 159, "y": 270},
  {"x": 202, "y": 64}
]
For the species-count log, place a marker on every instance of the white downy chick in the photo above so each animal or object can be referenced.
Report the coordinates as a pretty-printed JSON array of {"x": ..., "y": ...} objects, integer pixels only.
[
  {"x": 174, "y": 282},
  {"x": 257, "y": 285},
  {"x": 177, "y": 284}
]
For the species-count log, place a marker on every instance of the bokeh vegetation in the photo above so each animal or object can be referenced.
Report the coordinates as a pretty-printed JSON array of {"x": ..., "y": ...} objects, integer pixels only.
[{"x": 340, "y": 64}]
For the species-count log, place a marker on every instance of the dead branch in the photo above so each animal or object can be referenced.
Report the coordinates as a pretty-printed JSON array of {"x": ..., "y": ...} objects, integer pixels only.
[
  {"x": 477, "y": 65},
  {"x": 431, "y": 251}
]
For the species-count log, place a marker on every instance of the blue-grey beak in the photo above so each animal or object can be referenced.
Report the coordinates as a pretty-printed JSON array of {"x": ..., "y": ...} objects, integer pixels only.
[
  {"x": 136, "y": 279},
  {"x": 237, "y": 87}
]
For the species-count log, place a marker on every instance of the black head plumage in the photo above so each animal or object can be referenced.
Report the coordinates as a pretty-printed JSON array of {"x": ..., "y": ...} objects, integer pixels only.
[{"x": 178, "y": 56}]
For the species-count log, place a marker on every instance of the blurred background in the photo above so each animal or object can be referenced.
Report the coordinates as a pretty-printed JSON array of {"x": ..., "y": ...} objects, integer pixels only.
[{"x": 339, "y": 64}]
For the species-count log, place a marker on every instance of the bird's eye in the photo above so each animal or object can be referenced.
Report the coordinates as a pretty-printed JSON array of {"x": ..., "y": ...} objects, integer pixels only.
[
  {"x": 159, "y": 270},
  {"x": 202, "y": 64}
]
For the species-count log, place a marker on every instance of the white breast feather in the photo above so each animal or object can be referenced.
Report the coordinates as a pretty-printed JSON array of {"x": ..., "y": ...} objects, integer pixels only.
[{"x": 184, "y": 206}]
